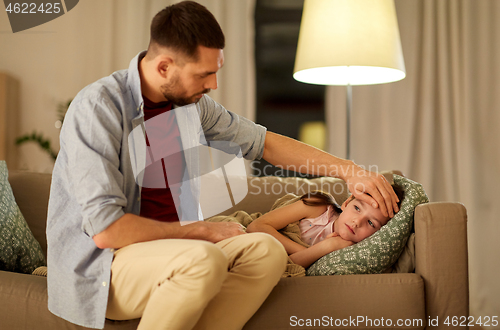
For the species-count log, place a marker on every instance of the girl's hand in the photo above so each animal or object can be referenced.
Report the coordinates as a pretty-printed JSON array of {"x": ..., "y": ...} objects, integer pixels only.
[
  {"x": 335, "y": 242},
  {"x": 332, "y": 242},
  {"x": 334, "y": 234}
]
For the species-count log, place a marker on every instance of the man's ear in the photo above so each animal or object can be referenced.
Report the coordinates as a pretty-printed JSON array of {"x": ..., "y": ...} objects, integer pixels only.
[
  {"x": 163, "y": 65},
  {"x": 347, "y": 201}
]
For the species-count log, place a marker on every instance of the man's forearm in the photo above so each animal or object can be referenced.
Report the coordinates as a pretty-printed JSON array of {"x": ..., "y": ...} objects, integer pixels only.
[
  {"x": 369, "y": 187},
  {"x": 130, "y": 229},
  {"x": 304, "y": 158}
]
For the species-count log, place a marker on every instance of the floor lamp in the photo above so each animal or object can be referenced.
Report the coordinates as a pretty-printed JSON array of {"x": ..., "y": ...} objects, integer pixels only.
[{"x": 348, "y": 43}]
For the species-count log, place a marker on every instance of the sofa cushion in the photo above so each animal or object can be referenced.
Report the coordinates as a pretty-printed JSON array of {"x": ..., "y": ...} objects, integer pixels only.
[
  {"x": 381, "y": 250},
  {"x": 19, "y": 250}
]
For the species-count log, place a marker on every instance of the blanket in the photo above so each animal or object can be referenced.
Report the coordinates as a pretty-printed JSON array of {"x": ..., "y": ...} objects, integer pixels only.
[{"x": 291, "y": 231}]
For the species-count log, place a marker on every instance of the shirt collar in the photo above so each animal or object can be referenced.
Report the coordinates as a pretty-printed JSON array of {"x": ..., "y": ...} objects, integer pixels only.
[{"x": 134, "y": 80}]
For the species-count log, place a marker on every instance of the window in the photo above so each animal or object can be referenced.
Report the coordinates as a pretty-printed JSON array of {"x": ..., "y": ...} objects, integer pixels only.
[{"x": 283, "y": 104}]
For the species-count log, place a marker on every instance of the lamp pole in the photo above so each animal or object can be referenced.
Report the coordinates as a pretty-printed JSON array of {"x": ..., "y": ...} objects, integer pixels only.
[{"x": 348, "y": 120}]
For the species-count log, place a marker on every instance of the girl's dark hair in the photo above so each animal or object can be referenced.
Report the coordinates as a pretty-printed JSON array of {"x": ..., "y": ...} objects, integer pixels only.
[
  {"x": 323, "y": 198},
  {"x": 318, "y": 197},
  {"x": 184, "y": 26}
]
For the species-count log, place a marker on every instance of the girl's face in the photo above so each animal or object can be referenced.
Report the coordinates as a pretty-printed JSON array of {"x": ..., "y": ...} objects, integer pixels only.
[{"x": 358, "y": 220}]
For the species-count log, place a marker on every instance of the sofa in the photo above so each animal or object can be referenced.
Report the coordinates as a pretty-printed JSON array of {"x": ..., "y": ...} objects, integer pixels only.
[{"x": 436, "y": 291}]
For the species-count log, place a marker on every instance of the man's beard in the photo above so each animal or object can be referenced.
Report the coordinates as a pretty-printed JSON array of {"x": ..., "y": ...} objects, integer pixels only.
[{"x": 168, "y": 91}]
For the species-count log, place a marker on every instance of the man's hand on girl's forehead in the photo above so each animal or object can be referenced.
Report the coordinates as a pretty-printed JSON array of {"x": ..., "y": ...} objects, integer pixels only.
[{"x": 374, "y": 189}]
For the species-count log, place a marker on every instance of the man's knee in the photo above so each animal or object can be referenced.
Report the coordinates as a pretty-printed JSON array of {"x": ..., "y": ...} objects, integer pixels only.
[
  {"x": 269, "y": 250},
  {"x": 203, "y": 268},
  {"x": 267, "y": 241},
  {"x": 210, "y": 261}
]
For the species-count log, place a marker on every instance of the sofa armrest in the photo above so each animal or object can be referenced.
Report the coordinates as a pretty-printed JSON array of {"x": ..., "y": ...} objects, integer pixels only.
[
  {"x": 441, "y": 258},
  {"x": 23, "y": 306}
]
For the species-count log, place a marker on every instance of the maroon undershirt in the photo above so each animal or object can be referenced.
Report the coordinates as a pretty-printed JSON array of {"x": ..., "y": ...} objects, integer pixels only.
[{"x": 158, "y": 203}]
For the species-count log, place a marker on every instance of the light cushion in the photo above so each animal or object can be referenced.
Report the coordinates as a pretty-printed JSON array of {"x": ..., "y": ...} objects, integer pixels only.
[
  {"x": 381, "y": 250},
  {"x": 19, "y": 250}
]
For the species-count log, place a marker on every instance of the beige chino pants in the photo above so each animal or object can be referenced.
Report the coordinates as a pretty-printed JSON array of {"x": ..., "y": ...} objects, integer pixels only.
[{"x": 193, "y": 284}]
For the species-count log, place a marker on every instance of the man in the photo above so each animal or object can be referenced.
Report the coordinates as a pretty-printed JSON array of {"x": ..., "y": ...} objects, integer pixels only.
[{"x": 116, "y": 248}]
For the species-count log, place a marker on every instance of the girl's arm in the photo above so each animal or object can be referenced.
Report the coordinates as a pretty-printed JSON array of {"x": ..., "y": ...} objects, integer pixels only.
[
  {"x": 279, "y": 218},
  {"x": 306, "y": 257}
]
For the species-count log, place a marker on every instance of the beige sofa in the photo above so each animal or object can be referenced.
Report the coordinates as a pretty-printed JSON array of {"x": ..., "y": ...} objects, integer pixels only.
[{"x": 436, "y": 290}]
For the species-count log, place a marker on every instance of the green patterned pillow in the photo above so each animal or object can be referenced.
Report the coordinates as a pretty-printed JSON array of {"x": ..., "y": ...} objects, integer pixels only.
[
  {"x": 378, "y": 252},
  {"x": 19, "y": 251}
]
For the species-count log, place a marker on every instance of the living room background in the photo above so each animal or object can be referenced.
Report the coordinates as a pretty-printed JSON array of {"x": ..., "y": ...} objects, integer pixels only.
[{"x": 438, "y": 125}]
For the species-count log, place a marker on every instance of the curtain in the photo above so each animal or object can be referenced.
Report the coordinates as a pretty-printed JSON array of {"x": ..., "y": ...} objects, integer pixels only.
[
  {"x": 128, "y": 21},
  {"x": 440, "y": 124},
  {"x": 54, "y": 61}
]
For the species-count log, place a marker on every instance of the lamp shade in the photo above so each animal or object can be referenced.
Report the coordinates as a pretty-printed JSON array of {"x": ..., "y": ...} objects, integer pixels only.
[{"x": 349, "y": 42}]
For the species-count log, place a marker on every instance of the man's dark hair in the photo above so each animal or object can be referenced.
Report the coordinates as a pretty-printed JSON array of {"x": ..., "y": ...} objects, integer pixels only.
[{"x": 183, "y": 27}]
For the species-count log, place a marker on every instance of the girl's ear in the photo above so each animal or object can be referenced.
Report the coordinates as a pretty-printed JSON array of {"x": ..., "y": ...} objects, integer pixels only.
[{"x": 347, "y": 201}]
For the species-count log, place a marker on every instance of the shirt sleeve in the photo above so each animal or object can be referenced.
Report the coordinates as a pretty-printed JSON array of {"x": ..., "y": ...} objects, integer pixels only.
[
  {"x": 220, "y": 124},
  {"x": 91, "y": 139}
]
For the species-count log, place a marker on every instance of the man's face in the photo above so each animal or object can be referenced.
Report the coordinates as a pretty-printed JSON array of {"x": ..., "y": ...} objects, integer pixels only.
[
  {"x": 187, "y": 83},
  {"x": 358, "y": 220}
]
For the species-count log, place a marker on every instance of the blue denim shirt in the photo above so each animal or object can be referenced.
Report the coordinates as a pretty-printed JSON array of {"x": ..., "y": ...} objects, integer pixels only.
[{"x": 93, "y": 183}]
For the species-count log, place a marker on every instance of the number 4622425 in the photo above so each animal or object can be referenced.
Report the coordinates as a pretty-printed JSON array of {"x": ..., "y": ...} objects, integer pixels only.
[
  {"x": 33, "y": 8},
  {"x": 463, "y": 321}
]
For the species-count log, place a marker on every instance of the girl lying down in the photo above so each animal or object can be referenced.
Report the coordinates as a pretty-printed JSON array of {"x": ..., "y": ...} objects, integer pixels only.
[{"x": 324, "y": 226}]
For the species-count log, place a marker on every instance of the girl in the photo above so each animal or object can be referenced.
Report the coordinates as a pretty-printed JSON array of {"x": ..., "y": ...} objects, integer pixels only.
[{"x": 324, "y": 226}]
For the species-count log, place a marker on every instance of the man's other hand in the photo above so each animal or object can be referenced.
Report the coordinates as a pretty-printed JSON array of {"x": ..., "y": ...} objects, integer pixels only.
[{"x": 216, "y": 231}]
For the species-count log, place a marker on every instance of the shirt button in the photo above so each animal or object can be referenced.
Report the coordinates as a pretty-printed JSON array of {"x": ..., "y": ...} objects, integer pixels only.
[{"x": 104, "y": 283}]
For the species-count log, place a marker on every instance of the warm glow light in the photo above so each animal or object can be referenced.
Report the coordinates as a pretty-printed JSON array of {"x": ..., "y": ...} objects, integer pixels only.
[
  {"x": 313, "y": 133},
  {"x": 352, "y": 42}
]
